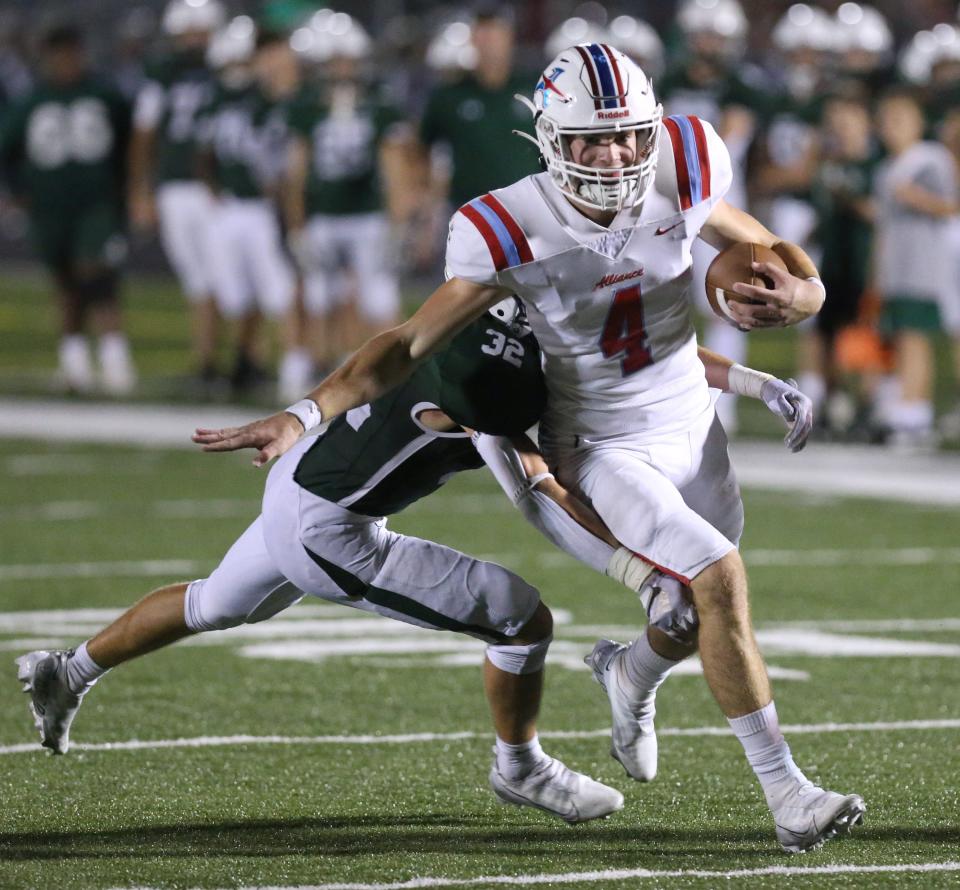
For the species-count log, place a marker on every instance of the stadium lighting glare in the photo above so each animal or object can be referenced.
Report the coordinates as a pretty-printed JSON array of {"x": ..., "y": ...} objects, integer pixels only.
[
  {"x": 241, "y": 26},
  {"x": 945, "y": 34},
  {"x": 339, "y": 24},
  {"x": 575, "y": 28}
]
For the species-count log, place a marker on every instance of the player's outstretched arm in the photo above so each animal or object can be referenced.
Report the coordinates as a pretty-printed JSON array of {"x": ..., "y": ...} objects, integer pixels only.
[
  {"x": 556, "y": 513},
  {"x": 797, "y": 294},
  {"x": 375, "y": 368},
  {"x": 781, "y": 396}
]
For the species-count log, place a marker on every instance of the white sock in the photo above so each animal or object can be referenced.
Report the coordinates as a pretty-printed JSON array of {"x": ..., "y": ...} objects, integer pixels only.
[
  {"x": 75, "y": 363},
  {"x": 641, "y": 671},
  {"x": 82, "y": 670},
  {"x": 116, "y": 366},
  {"x": 766, "y": 749},
  {"x": 517, "y": 761}
]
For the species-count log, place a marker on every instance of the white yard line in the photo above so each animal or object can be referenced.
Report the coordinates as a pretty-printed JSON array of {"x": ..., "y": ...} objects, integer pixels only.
[
  {"x": 413, "y": 738},
  {"x": 636, "y": 874},
  {"x": 548, "y": 559}
]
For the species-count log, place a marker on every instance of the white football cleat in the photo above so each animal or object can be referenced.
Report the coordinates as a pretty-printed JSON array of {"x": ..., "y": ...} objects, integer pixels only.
[
  {"x": 807, "y": 816},
  {"x": 558, "y": 790},
  {"x": 632, "y": 742},
  {"x": 52, "y": 702}
]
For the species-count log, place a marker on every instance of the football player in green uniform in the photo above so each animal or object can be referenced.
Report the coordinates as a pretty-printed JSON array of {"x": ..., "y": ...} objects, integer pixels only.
[
  {"x": 842, "y": 194},
  {"x": 252, "y": 277},
  {"x": 64, "y": 149},
  {"x": 164, "y": 185},
  {"x": 708, "y": 80},
  {"x": 347, "y": 152},
  {"x": 321, "y": 533}
]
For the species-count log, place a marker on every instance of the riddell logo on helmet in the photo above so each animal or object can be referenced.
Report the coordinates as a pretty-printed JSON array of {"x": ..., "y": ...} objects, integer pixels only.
[{"x": 613, "y": 115}]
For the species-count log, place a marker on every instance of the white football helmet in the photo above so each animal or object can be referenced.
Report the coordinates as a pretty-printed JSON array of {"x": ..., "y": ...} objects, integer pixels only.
[
  {"x": 927, "y": 49},
  {"x": 572, "y": 31},
  {"x": 862, "y": 28},
  {"x": 640, "y": 41},
  {"x": 232, "y": 45},
  {"x": 804, "y": 27},
  {"x": 330, "y": 34},
  {"x": 183, "y": 16},
  {"x": 723, "y": 18},
  {"x": 589, "y": 89},
  {"x": 451, "y": 49}
]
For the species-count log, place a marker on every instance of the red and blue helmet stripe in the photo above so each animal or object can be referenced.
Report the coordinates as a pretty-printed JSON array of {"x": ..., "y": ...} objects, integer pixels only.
[
  {"x": 606, "y": 81},
  {"x": 691, "y": 158},
  {"x": 505, "y": 240}
]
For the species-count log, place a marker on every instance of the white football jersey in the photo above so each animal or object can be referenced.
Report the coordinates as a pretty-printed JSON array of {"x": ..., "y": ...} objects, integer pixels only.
[{"x": 611, "y": 306}]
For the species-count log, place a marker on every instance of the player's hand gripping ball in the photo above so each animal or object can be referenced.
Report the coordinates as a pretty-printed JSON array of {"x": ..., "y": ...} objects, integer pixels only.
[{"x": 733, "y": 265}]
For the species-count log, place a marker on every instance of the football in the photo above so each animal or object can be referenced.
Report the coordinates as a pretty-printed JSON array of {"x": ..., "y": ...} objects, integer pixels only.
[{"x": 733, "y": 264}]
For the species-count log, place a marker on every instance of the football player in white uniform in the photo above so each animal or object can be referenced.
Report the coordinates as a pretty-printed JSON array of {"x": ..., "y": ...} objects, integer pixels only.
[{"x": 598, "y": 249}]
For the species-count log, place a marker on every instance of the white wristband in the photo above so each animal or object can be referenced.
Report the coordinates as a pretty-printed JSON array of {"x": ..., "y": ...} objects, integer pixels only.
[
  {"x": 307, "y": 411},
  {"x": 746, "y": 382}
]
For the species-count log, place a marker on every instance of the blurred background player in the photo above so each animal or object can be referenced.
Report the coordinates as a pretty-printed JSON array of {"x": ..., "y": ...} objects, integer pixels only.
[
  {"x": 916, "y": 194},
  {"x": 64, "y": 148},
  {"x": 466, "y": 126},
  {"x": 164, "y": 186},
  {"x": 863, "y": 47},
  {"x": 709, "y": 81},
  {"x": 251, "y": 273},
  {"x": 842, "y": 196},
  {"x": 348, "y": 149}
]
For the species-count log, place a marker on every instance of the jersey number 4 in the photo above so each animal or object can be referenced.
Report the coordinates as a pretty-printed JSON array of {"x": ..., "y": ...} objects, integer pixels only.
[{"x": 623, "y": 331}]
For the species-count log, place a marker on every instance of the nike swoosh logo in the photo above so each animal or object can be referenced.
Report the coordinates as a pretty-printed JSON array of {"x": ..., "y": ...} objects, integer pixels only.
[{"x": 662, "y": 231}]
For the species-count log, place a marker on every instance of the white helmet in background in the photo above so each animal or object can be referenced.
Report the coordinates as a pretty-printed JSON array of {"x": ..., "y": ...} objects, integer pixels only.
[
  {"x": 451, "y": 48},
  {"x": 572, "y": 31},
  {"x": 804, "y": 27},
  {"x": 862, "y": 28},
  {"x": 640, "y": 41},
  {"x": 232, "y": 45},
  {"x": 330, "y": 34},
  {"x": 722, "y": 18},
  {"x": 185, "y": 16},
  {"x": 927, "y": 49},
  {"x": 588, "y": 89}
]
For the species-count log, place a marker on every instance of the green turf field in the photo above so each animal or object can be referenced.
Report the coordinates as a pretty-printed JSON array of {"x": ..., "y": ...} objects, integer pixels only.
[{"x": 318, "y": 802}]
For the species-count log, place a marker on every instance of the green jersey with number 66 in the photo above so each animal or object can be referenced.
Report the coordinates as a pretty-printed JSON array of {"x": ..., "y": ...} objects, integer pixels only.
[
  {"x": 64, "y": 147},
  {"x": 379, "y": 458}
]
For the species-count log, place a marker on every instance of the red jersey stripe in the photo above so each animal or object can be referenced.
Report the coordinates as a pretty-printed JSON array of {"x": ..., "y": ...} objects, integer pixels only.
[
  {"x": 516, "y": 233},
  {"x": 493, "y": 243},
  {"x": 594, "y": 89},
  {"x": 680, "y": 162},
  {"x": 703, "y": 155},
  {"x": 621, "y": 98}
]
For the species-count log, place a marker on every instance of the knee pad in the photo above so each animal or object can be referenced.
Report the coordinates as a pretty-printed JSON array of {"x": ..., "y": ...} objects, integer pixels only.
[
  {"x": 670, "y": 608},
  {"x": 520, "y": 659}
]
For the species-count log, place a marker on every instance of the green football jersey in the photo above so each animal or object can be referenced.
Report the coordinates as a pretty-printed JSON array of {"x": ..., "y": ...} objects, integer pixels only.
[
  {"x": 343, "y": 175},
  {"x": 378, "y": 459},
  {"x": 476, "y": 124},
  {"x": 235, "y": 126},
  {"x": 177, "y": 88},
  {"x": 64, "y": 148},
  {"x": 845, "y": 234}
]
